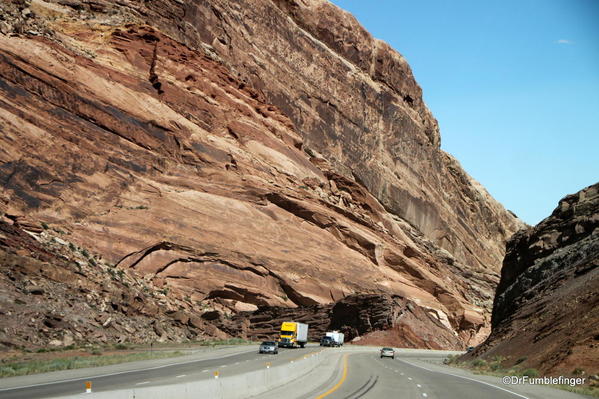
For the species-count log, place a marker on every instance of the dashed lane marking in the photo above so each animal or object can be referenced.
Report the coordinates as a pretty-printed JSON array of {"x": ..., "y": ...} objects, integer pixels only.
[
  {"x": 142, "y": 383},
  {"x": 469, "y": 379},
  {"x": 181, "y": 376}
]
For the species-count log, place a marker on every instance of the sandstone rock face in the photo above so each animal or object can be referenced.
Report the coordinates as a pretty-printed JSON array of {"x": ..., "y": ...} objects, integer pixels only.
[
  {"x": 547, "y": 307},
  {"x": 353, "y": 99},
  {"x": 373, "y": 319},
  {"x": 242, "y": 154}
]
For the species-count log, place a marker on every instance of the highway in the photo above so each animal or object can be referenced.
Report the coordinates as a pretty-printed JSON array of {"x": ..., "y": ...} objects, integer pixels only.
[
  {"x": 229, "y": 361},
  {"x": 350, "y": 372},
  {"x": 413, "y": 374}
]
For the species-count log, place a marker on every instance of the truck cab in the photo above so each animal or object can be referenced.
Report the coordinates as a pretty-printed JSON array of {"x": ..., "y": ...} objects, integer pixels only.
[{"x": 293, "y": 334}]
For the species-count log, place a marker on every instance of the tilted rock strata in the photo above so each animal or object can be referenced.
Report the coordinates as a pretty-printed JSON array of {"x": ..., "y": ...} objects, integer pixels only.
[
  {"x": 55, "y": 295},
  {"x": 58, "y": 295},
  {"x": 353, "y": 99},
  {"x": 165, "y": 154},
  {"x": 547, "y": 307},
  {"x": 373, "y": 319}
]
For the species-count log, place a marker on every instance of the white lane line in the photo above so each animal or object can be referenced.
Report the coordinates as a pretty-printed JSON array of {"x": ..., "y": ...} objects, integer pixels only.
[
  {"x": 419, "y": 386},
  {"x": 223, "y": 366},
  {"x": 142, "y": 383},
  {"x": 236, "y": 363},
  {"x": 469, "y": 379},
  {"x": 181, "y": 376},
  {"x": 205, "y": 371},
  {"x": 400, "y": 373},
  {"x": 410, "y": 378},
  {"x": 424, "y": 394}
]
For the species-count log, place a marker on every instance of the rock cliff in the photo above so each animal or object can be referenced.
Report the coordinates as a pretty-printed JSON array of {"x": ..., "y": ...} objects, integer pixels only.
[
  {"x": 242, "y": 154},
  {"x": 546, "y": 309}
]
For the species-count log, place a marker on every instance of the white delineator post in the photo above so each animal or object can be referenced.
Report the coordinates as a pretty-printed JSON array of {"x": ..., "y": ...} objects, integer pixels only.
[{"x": 88, "y": 387}]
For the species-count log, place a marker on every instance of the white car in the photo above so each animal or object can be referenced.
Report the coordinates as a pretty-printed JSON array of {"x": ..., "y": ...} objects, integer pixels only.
[{"x": 388, "y": 352}]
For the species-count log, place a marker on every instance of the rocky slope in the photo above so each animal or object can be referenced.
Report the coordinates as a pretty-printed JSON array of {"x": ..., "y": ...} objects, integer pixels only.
[
  {"x": 243, "y": 154},
  {"x": 546, "y": 309},
  {"x": 54, "y": 294}
]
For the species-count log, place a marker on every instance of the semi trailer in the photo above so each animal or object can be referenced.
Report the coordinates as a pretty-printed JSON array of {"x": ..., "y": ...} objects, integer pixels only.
[{"x": 293, "y": 334}]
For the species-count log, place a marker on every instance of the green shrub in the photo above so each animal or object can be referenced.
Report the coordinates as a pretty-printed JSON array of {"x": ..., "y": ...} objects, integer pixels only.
[
  {"x": 479, "y": 363},
  {"x": 451, "y": 359},
  {"x": 520, "y": 360},
  {"x": 531, "y": 372},
  {"x": 85, "y": 253},
  {"x": 121, "y": 347},
  {"x": 72, "y": 247},
  {"x": 495, "y": 366},
  {"x": 44, "y": 226},
  {"x": 578, "y": 371}
]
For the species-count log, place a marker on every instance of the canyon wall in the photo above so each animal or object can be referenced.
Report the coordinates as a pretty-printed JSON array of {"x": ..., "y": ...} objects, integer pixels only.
[
  {"x": 546, "y": 311},
  {"x": 241, "y": 154}
]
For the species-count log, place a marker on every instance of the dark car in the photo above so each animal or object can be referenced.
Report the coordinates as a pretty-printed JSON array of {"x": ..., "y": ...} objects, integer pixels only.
[
  {"x": 470, "y": 349},
  {"x": 269, "y": 347},
  {"x": 327, "y": 341},
  {"x": 388, "y": 352}
]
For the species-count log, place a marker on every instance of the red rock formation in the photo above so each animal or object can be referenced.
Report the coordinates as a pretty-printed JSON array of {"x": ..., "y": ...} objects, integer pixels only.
[
  {"x": 546, "y": 309},
  {"x": 373, "y": 319},
  {"x": 242, "y": 154},
  {"x": 55, "y": 294}
]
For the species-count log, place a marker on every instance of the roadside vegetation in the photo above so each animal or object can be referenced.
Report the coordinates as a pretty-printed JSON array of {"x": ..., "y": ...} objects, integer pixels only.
[
  {"x": 230, "y": 341},
  {"x": 11, "y": 369},
  {"x": 495, "y": 367},
  {"x": 42, "y": 360}
]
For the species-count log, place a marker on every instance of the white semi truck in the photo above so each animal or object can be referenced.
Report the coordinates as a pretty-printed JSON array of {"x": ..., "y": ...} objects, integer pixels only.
[{"x": 336, "y": 337}]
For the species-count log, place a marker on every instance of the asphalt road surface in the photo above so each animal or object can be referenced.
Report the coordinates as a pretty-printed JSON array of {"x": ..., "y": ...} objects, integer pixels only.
[
  {"x": 176, "y": 370},
  {"x": 344, "y": 373},
  {"x": 413, "y": 374}
]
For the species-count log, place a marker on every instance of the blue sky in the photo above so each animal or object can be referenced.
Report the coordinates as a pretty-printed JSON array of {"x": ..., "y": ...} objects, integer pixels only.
[{"x": 514, "y": 85}]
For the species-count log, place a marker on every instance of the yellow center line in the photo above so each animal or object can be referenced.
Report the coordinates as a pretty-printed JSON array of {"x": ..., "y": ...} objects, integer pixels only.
[{"x": 341, "y": 381}]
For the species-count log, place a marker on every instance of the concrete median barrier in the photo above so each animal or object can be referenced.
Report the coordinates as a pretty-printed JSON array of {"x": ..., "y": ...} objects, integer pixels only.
[{"x": 224, "y": 387}]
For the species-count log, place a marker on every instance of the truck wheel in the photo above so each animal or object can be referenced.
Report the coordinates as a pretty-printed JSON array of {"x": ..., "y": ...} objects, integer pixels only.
[{"x": 302, "y": 344}]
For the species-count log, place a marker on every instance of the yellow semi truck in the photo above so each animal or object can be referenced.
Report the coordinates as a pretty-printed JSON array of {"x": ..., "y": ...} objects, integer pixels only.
[{"x": 293, "y": 334}]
